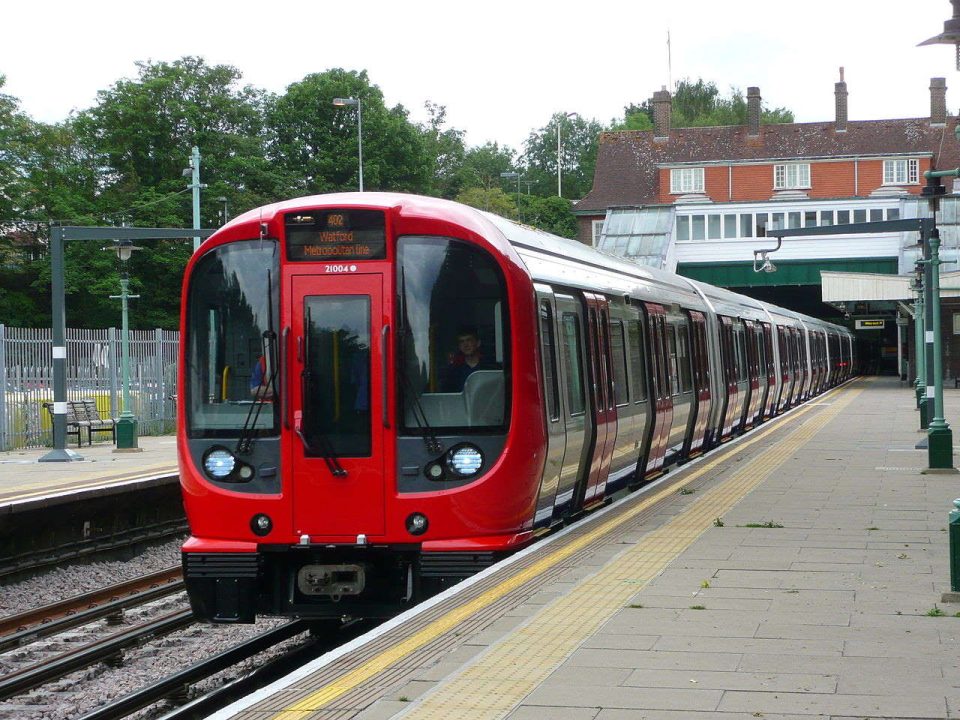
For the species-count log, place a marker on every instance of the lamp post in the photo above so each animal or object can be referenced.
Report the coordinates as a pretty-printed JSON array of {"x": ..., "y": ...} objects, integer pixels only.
[
  {"x": 225, "y": 211},
  {"x": 350, "y": 102},
  {"x": 559, "y": 153},
  {"x": 127, "y": 422},
  {"x": 193, "y": 172},
  {"x": 511, "y": 176}
]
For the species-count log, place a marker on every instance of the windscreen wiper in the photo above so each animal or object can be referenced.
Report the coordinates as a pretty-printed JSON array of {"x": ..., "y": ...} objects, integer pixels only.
[{"x": 245, "y": 441}]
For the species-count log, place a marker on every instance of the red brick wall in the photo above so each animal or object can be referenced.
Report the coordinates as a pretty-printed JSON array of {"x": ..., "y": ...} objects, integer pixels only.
[
  {"x": 585, "y": 227},
  {"x": 755, "y": 182}
]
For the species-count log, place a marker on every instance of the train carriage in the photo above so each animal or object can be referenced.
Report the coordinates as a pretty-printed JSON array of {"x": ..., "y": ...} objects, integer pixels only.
[{"x": 382, "y": 394}]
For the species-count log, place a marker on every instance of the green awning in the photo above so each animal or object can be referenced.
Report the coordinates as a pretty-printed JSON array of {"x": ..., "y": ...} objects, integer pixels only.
[{"x": 789, "y": 272}]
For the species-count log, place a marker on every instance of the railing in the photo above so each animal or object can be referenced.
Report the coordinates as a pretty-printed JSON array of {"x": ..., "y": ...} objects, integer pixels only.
[{"x": 93, "y": 371}]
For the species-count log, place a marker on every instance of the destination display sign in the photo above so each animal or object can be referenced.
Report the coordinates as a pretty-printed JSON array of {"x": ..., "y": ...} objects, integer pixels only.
[
  {"x": 871, "y": 324},
  {"x": 336, "y": 235}
]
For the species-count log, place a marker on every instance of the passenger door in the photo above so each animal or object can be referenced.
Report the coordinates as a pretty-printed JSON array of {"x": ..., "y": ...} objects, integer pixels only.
[{"x": 337, "y": 388}]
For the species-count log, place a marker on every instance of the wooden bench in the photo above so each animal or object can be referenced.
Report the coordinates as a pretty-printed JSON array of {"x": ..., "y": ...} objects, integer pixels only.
[
  {"x": 73, "y": 425},
  {"x": 84, "y": 414}
]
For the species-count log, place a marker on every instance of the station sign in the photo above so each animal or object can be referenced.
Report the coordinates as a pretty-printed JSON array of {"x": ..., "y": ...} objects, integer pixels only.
[
  {"x": 871, "y": 324},
  {"x": 336, "y": 235}
]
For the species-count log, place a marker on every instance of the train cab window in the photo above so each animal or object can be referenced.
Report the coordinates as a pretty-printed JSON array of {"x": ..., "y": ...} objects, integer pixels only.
[
  {"x": 683, "y": 358},
  {"x": 619, "y": 359},
  {"x": 548, "y": 349},
  {"x": 638, "y": 390},
  {"x": 232, "y": 319},
  {"x": 572, "y": 354},
  {"x": 453, "y": 337},
  {"x": 740, "y": 350}
]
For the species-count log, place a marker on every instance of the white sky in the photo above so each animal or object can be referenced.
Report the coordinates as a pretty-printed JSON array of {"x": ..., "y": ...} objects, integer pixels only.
[{"x": 501, "y": 68}]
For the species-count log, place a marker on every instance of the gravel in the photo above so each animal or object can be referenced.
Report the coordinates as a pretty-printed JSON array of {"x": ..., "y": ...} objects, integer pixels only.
[{"x": 78, "y": 693}]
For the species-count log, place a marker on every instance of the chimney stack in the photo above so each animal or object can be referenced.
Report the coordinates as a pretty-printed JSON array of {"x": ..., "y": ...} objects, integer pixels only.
[
  {"x": 662, "y": 107},
  {"x": 840, "y": 92},
  {"x": 753, "y": 111},
  {"x": 938, "y": 101}
]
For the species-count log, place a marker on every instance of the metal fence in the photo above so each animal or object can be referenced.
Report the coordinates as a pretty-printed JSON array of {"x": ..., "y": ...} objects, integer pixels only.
[{"x": 93, "y": 371}]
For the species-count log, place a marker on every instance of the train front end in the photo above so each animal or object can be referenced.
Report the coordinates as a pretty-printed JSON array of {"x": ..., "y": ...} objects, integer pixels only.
[{"x": 355, "y": 427}]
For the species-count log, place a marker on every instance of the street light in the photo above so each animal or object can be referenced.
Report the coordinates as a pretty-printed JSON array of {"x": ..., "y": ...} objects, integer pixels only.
[
  {"x": 225, "y": 211},
  {"x": 559, "y": 156},
  {"x": 511, "y": 176},
  {"x": 350, "y": 102},
  {"x": 127, "y": 422}
]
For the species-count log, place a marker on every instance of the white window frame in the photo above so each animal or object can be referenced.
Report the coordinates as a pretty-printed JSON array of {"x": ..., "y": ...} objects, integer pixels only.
[
  {"x": 791, "y": 176},
  {"x": 596, "y": 229},
  {"x": 904, "y": 171},
  {"x": 686, "y": 180}
]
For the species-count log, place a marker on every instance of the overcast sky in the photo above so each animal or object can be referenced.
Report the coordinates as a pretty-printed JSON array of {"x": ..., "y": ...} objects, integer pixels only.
[{"x": 501, "y": 68}]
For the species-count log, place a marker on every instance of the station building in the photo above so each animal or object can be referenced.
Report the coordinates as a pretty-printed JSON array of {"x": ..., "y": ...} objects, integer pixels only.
[{"x": 699, "y": 201}]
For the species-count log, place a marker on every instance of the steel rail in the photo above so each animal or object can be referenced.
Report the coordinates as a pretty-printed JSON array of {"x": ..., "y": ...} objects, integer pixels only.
[
  {"x": 47, "y": 670},
  {"x": 21, "y": 624}
]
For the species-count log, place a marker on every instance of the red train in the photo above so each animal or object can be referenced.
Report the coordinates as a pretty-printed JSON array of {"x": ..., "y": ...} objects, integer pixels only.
[{"x": 383, "y": 393}]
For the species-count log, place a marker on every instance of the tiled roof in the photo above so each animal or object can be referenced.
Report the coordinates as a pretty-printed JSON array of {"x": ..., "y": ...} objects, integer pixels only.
[{"x": 626, "y": 171}]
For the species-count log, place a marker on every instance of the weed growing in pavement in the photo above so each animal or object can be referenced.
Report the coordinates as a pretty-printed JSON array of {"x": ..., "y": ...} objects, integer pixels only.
[
  {"x": 705, "y": 584},
  {"x": 873, "y": 528},
  {"x": 698, "y": 607},
  {"x": 935, "y": 612},
  {"x": 767, "y": 524},
  {"x": 685, "y": 491},
  {"x": 404, "y": 698},
  {"x": 635, "y": 606},
  {"x": 717, "y": 522}
]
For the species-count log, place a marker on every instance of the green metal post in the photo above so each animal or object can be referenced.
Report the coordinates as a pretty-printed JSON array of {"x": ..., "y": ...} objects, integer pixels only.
[
  {"x": 195, "y": 186},
  {"x": 127, "y": 422},
  {"x": 921, "y": 361},
  {"x": 940, "y": 448}
]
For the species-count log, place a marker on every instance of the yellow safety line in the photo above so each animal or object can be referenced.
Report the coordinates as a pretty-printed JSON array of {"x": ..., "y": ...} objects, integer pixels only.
[
  {"x": 498, "y": 681},
  {"x": 372, "y": 667}
]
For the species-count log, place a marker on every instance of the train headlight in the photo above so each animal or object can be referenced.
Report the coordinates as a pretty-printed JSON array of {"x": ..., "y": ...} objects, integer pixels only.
[
  {"x": 261, "y": 524},
  {"x": 417, "y": 524},
  {"x": 219, "y": 463},
  {"x": 465, "y": 460}
]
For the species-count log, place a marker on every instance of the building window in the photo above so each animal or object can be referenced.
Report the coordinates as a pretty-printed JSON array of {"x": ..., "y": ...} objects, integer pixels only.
[
  {"x": 791, "y": 176},
  {"x": 686, "y": 180},
  {"x": 596, "y": 227},
  {"x": 901, "y": 172},
  {"x": 683, "y": 227},
  {"x": 956, "y": 323}
]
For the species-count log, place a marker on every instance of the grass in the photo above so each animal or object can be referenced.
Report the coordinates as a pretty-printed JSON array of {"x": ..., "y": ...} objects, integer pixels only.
[
  {"x": 767, "y": 524},
  {"x": 935, "y": 612}
]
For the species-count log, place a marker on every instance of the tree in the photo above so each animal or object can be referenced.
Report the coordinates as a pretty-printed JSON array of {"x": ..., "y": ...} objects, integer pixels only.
[
  {"x": 492, "y": 200},
  {"x": 699, "y": 104},
  {"x": 316, "y": 144},
  {"x": 483, "y": 165},
  {"x": 447, "y": 150},
  {"x": 579, "y": 142}
]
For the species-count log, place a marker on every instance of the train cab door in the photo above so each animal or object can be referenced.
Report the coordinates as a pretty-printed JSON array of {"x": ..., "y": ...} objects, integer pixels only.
[
  {"x": 701, "y": 384},
  {"x": 659, "y": 388},
  {"x": 604, "y": 408},
  {"x": 752, "y": 406},
  {"x": 337, "y": 405},
  {"x": 771, "y": 397}
]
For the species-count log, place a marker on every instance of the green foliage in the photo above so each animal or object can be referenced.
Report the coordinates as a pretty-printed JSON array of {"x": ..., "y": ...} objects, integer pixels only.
[
  {"x": 482, "y": 167},
  {"x": 492, "y": 200},
  {"x": 578, "y": 147},
  {"x": 699, "y": 104}
]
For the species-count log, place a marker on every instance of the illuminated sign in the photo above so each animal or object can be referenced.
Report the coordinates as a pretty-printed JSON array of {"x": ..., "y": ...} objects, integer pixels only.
[
  {"x": 871, "y": 324},
  {"x": 336, "y": 235}
]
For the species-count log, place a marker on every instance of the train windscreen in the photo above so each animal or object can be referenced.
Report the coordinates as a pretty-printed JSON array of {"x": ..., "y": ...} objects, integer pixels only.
[
  {"x": 231, "y": 341},
  {"x": 454, "y": 342}
]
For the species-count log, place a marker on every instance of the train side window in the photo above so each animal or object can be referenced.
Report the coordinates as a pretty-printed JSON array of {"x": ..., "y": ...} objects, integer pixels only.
[
  {"x": 548, "y": 348},
  {"x": 673, "y": 367},
  {"x": 741, "y": 354},
  {"x": 572, "y": 354},
  {"x": 638, "y": 389},
  {"x": 683, "y": 358},
  {"x": 618, "y": 351}
]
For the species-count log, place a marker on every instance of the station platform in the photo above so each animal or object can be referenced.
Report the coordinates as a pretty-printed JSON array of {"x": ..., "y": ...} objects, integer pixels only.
[
  {"x": 795, "y": 572},
  {"x": 25, "y": 482}
]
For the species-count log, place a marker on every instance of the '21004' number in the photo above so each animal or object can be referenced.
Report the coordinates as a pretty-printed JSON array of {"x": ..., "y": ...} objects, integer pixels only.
[{"x": 340, "y": 268}]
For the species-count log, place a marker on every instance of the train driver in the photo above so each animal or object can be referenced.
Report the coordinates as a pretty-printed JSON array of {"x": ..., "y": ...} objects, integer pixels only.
[
  {"x": 260, "y": 386},
  {"x": 463, "y": 362}
]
